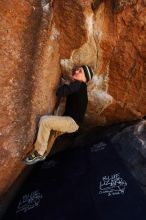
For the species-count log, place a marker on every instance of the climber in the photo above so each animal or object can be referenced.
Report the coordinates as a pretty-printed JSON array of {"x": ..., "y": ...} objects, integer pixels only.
[{"x": 75, "y": 90}]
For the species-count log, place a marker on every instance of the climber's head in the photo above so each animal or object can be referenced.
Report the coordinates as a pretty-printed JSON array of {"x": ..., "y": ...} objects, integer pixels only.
[{"x": 84, "y": 73}]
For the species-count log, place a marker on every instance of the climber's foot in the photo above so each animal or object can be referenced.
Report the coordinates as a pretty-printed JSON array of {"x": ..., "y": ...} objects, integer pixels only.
[{"x": 33, "y": 158}]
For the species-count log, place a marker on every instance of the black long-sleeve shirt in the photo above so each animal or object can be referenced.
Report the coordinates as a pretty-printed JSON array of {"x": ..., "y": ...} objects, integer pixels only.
[{"x": 77, "y": 99}]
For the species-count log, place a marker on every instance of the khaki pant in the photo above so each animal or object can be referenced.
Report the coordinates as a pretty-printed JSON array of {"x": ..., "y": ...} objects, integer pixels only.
[{"x": 47, "y": 123}]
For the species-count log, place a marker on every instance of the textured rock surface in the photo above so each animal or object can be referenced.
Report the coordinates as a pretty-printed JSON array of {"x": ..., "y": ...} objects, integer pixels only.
[
  {"x": 121, "y": 59},
  {"x": 29, "y": 75},
  {"x": 41, "y": 39}
]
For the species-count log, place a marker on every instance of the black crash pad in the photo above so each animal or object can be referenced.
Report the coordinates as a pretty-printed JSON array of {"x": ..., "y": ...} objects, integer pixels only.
[{"x": 86, "y": 183}]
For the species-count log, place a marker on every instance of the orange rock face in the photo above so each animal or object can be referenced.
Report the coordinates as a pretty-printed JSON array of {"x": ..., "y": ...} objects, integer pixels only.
[
  {"x": 127, "y": 78},
  {"x": 41, "y": 39},
  {"x": 120, "y": 38}
]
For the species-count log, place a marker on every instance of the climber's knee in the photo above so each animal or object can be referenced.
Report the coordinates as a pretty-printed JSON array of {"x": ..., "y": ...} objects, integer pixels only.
[{"x": 43, "y": 119}]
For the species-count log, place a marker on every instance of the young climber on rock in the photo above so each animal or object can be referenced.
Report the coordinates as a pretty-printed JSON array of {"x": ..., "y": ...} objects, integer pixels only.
[{"x": 76, "y": 103}]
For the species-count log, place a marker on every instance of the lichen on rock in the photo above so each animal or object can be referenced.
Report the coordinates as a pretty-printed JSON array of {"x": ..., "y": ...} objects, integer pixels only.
[{"x": 119, "y": 5}]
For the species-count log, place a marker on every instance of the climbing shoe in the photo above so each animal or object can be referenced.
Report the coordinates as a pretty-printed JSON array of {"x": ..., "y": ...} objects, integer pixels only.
[{"x": 33, "y": 158}]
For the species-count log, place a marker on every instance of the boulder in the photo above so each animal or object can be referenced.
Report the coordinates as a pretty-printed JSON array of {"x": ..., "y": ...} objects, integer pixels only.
[{"x": 40, "y": 40}]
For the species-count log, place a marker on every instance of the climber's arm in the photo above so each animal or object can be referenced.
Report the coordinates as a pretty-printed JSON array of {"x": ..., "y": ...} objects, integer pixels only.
[{"x": 66, "y": 90}]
